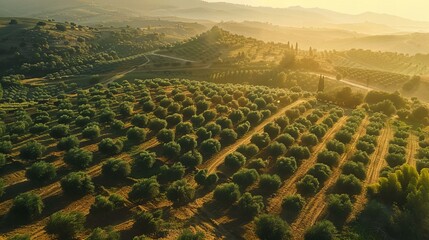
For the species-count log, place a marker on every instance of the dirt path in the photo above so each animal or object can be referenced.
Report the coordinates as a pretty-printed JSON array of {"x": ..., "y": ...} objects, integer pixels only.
[
  {"x": 315, "y": 207},
  {"x": 412, "y": 147},
  {"x": 122, "y": 74},
  {"x": 289, "y": 187},
  {"x": 171, "y": 57},
  {"x": 376, "y": 163},
  {"x": 218, "y": 158}
]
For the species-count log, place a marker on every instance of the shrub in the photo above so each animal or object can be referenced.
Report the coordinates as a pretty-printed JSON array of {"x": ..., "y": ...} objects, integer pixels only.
[
  {"x": 348, "y": 184},
  {"x": 248, "y": 150},
  {"x": 19, "y": 237},
  {"x": 285, "y": 166},
  {"x": 180, "y": 192},
  {"x": 187, "y": 143},
  {"x": 269, "y": 183},
  {"x": 270, "y": 227},
  {"x": 136, "y": 135},
  {"x": 228, "y": 137},
  {"x": 273, "y": 130},
  {"x": 339, "y": 207},
  {"x": 203, "y": 134},
  {"x": 156, "y": 124},
  {"x": 174, "y": 119},
  {"x": 213, "y": 128},
  {"x": 235, "y": 161},
  {"x": 77, "y": 184},
  {"x": 309, "y": 140},
  {"x": 173, "y": 173},
  {"x": 277, "y": 149},
  {"x": 227, "y": 193},
  {"x": 78, "y": 158},
  {"x": 25, "y": 207},
  {"x": 245, "y": 177},
  {"x": 5, "y": 147},
  {"x": 160, "y": 112},
  {"x": 336, "y": 146},
  {"x": 210, "y": 147},
  {"x": 261, "y": 140},
  {"x": 395, "y": 159},
  {"x": 41, "y": 172},
  {"x": 365, "y": 146},
  {"x": 224, "y": 122},
  {"x": 189, "y": 235},
  {"x": 355, "y": 168},
  {"x": 110, "y": 147},
  {"x": 91, "y": 132},
  {"x": 292, "y": 130},
  {"x": 243, "y": 128},
  {"x": 293, "y": 204},
  {"x": 140, "y": 120},
  {"x": 165, "y": 135},
  {"x": 323, "y": 230},
  {"x": 32, "y": 150},
  {"x": 38, "y": 128},
  {"x": 148, "y": 222},
  {"x": 144, "y": 160},
  {"x": 360, "y": 156},
  {"x": 251, "y": 205},
  {"x": 68, "y": 143},
  {"x": 286, "y": 139},
  {"x": 299, "y": 153},
  {"x": 308, "y": 185},
  {"x": 191, "y": 159},
  {"x": 103, "y": 234},
  {"x": 116, "y": 168},
  {"x": 343, "y": 136},
  {"x": 171, "y": 150},
  {"x": 145, "y": 189},
  {"x": 329, "y": 158},
  {"x": 320, "y": 171},
  {"x": 2, "y": 159},
  {"x": 184, "y": 128},
  {"x": 65, "y": 225},
  {"x": 60, "y": 131}
]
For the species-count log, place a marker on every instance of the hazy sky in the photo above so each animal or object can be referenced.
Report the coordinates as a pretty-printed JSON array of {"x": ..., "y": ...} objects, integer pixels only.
[{"x": 413, "y": 9}]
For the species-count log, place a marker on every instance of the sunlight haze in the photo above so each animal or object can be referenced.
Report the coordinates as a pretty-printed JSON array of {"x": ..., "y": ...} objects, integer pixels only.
[{"x": 413, "y": 9}]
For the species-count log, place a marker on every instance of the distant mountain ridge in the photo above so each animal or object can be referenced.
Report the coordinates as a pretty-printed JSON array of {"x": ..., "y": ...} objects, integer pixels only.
[{"x": 94, "y": 11}]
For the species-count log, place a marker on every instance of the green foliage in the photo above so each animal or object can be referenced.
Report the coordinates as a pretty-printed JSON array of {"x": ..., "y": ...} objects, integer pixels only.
[
  {"x": 191, "y": 159},
  {"x": 77, "y": 184},
  {"x": 285, "y": 166},
  {"x": 329, "y": 158},
  {"x": 308, "y": 185},
  {"x": 348, "y": 184},
  {"x": 210, "y": 147},
  {"x": 91, "y": 132},
  {"x": 116, "y": 169},
  {"x": 309, "y": 140},
  {"x": 78, "y": 158},
  {"x": 269, "y": 183},
  {"x": 180, "y": 192},
  {"x": 103, "y": 234},
  {"x": 165, "y": 135},
  {"x": 251, "y": 205},
  {"x": 299, "y": 153},
  {"x": 144, "y": 160},
  {"x": 67, "y": 143},
  {"x": 245, "y": 177},
  {"x": 261, "y": 140},
  {"x": 65, "y": 225},
  {"x": 104, "y": 204},
  {"x": 320, "y": 171},
  {"x": 41, "y": 172},
  {"x": 25, "y": 207},
  {"x": 293, "y": 204},
  {"x": 323, "y": 230},
  {"x": 235, "y": 161},
  {"x": 32, "y": 151},
  {"x": 339, "y": 207},
  {"x": 136, "y": 135},
  {"x": 189, "y": 235},
  {"x": 60, "y": 131},
  {"x": 336, "y": 146},
  {"x": 271, "y": 227},
  {"x": 227, "y": 193},
  {"x": 149, "y": 222},
  {"x": 110, "y": 147},
  {"x": 145, "y": 189}
]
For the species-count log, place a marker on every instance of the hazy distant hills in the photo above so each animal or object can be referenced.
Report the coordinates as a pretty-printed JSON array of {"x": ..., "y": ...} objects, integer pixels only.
[
  {"x": 91, "y": 11},
  {"x": 319, "y": 28}
]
